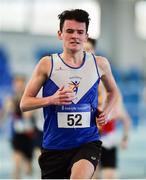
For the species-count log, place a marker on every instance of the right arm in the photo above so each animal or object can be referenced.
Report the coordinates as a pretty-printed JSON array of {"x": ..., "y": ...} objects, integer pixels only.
[
  {"x": 122, "y": 115},
  {"x": 41, "y": 73}
]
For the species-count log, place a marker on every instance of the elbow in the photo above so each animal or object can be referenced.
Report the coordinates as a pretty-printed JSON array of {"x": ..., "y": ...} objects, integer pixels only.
[{"x": 22, "y": 106}]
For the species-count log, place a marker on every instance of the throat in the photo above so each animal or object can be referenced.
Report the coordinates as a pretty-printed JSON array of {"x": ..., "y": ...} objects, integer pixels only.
[{"x": 74, "y": 61}]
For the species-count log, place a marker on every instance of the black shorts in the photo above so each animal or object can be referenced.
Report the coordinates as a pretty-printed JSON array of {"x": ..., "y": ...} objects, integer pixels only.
[
  {"x": 57, "y": 164},
  {"x": 108, "y": 157},
  {"x": 38, "y": 139},
  {"x": 23, "y": 144}
]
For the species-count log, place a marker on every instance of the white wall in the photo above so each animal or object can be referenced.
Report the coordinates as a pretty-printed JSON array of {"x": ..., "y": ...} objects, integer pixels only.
[
  {"x": 22, "y": 49},
  {"x": 118, "y": 39}
]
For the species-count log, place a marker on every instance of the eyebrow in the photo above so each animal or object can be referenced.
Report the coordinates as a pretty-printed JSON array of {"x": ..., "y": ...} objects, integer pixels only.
[{"x": 69, "y": 29}]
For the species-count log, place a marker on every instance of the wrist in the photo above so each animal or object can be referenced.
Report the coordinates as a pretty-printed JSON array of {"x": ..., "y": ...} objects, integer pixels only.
[
  {"x": 48, "y": 101},
  {"x": 125, "y": 137}
]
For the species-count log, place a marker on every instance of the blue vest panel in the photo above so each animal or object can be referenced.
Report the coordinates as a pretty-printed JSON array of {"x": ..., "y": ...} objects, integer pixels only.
[{"x": 69, "y": 126}]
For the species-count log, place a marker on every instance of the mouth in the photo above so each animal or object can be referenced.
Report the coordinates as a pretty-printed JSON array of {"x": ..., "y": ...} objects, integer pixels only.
[{"x": 75, "y": 43}]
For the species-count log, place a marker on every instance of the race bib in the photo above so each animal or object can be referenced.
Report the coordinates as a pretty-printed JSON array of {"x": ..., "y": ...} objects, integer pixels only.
[{"x": 74, "y": 116}]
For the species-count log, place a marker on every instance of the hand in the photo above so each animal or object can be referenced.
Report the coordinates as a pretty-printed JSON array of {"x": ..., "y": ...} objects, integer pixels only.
[
  {"x": 102, "y": 118},
  {"x": 64, "y": 96},
  {"x": 124, "y": 142}
]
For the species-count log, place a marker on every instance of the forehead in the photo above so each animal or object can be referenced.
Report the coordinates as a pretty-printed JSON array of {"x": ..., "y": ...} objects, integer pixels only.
[{"x": 72, "y": 24}]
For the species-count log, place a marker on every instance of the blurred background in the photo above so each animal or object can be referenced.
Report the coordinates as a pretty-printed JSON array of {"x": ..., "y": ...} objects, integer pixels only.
[{"x": 28, "y": 31}]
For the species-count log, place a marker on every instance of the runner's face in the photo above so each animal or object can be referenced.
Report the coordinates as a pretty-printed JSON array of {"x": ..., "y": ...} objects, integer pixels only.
[{"x": 73, "y": 35}]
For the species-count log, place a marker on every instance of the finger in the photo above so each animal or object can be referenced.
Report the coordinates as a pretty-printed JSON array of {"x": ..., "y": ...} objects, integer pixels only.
[
  {"x": 101, "y": 115},
  {"x": 67, "y": 96},
  {"x": 100, "y": 119},
  {"x": 63, "y": 92},
  {"x": 67, "y": 91},
  {"x": 65, "y": 102},
  {"x": 97, "y": 121},
  {"x": 102, "y": 123},
  {"x": 67, "y": 99}
]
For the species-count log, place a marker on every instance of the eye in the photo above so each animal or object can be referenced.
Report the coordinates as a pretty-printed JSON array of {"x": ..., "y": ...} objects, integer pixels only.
[
  {"x": 80, "y": 32},
  {"x": 70, "y": 31}
]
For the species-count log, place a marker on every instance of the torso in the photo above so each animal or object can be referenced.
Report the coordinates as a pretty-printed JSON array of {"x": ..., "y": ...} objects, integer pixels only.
[{"x": 70, "y": 126}]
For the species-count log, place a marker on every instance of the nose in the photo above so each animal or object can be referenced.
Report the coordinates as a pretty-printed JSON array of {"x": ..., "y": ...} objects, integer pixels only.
[{"x": 75, "y": 34}]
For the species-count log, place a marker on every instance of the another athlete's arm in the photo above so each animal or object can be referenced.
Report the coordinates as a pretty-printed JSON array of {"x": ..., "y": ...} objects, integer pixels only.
[{"x": 126, "y": 122}]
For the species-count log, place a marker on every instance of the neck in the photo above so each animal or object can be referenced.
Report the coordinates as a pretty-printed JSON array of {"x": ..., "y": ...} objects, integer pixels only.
[{"x": 73, "y": 59}]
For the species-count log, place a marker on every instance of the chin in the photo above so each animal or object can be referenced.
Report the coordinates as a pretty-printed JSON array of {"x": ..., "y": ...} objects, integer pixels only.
[{"x": 75, "y": 49}]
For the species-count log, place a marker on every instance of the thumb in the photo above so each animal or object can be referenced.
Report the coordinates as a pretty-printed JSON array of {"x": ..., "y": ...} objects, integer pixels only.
[
  {"x": 61, "y": 88},
  {"x": 99, "y": 111}
]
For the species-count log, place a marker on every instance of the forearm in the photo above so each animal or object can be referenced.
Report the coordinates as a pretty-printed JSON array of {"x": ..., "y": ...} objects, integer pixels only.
[
  {"x": 31, "y": 103},
  {"x": 110, "y": 104},
  {"x": 126, "y": 124}
]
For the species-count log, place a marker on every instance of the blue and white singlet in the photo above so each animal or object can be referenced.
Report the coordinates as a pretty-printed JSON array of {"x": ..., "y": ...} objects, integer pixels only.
[{"x": 69, "y": 126}]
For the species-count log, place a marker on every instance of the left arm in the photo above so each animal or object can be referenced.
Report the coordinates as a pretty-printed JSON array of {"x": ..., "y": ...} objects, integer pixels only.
[{"x": 112, "y": 93}]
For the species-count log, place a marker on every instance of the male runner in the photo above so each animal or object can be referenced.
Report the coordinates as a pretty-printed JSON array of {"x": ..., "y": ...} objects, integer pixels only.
[{"x": 71, "y": 145}]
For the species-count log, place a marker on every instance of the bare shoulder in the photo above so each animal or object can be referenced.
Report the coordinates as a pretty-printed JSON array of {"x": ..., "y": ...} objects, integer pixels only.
[
  {"x": 44, "y": 65},
  {"x": 45, "y": 61},
  {"x": 102, "y": 61},
  {"x": 103, "y": 64}
]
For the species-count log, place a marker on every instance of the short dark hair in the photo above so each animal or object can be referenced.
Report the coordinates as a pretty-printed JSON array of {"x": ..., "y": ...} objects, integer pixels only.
[
  {"x": 74, "y": 14},
  {"x": 92, "y": 41}
]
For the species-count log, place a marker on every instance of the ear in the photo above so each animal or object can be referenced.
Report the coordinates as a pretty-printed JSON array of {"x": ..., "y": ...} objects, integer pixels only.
[
  {"x": 86, "y": 37},
  {"x": 59, "y": 35}
]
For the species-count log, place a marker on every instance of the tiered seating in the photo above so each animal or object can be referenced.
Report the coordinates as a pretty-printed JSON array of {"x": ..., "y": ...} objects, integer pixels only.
[{"x": 5, "y": 73}]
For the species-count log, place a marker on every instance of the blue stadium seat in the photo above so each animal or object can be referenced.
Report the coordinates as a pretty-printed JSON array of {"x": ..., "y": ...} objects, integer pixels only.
[{"x": 5, "y": 72}]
